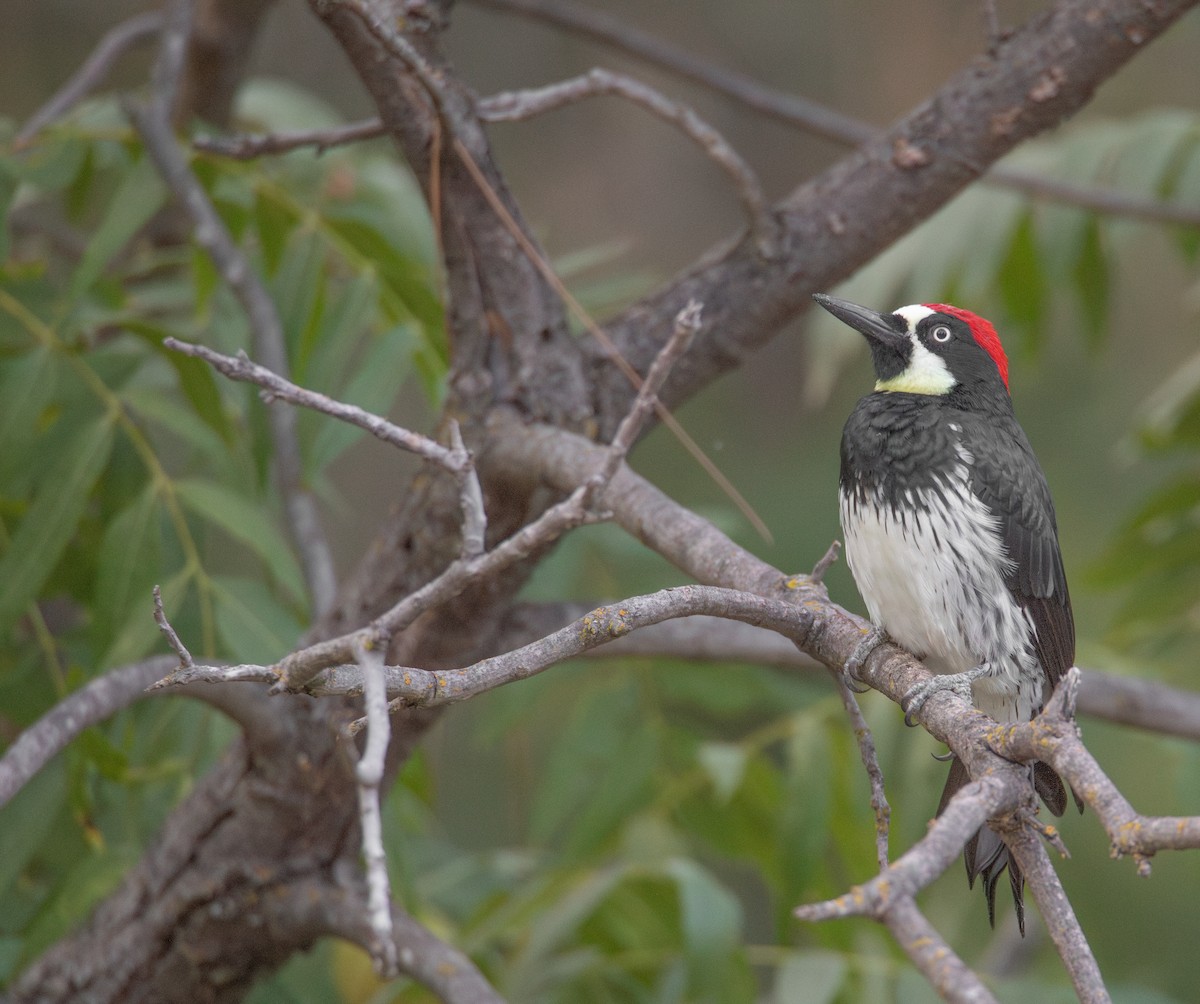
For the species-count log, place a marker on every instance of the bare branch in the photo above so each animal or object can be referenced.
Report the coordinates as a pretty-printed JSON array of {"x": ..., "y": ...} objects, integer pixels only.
[
  {"x": 818, "y": 119},
  {"x": 164, "y": 625},
  {"x": 561, "y": 459},
  {"x": 115, "y": 43},
  {"x": 952, "y": 978},
  {"x": 114, "y": 691},
  {"x": 870, "y": 761},
  {"x": 889, "y": 897},
  {"x": 515, "y": 106},
  {"x": 337, "y": 910},
  {"x": 614, "y": 353},
  {"x": 38, "y": 744},
  {"x": 410, "y": 685},
  {"x": 369, "y": 774},
  {"x": 247, "y": 147},
  {"x": 276, "y": 386},
  {"x": 1053, "y": 738},
  {"x": 687, "y": 323},
  {"x": 297, "y": 669},
  {"x": 614, "y": 32},
  {"x": 1142, "y": 703},
  {"x": 154, "y": 123},
  {"x": 1057, "y": 914},
  {"x": 970, "y": 809},
  {"x": 826, "y": 562}
]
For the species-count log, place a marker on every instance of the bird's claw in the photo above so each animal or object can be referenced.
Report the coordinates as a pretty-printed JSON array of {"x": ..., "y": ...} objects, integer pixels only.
[
  {"x": 862, "y": 651},
  {"x": 957, "y": 683}
]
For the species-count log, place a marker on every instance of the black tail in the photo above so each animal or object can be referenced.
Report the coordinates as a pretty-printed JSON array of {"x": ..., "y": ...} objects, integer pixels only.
[{"x": 985, "y": 853}]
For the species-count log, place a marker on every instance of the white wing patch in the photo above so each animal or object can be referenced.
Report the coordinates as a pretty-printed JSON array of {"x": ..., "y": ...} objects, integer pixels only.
[{"x": 932, "y": 575}]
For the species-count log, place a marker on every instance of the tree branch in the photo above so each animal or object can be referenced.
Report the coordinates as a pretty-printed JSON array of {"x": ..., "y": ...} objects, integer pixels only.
[
  {"x": 817, "y": 119},
  {"x": 1043, "y": 72},
  {"x": 115, "y": 43},
  {"x": 1057, "y": 914},
  {"x": 516, "y": 106}
]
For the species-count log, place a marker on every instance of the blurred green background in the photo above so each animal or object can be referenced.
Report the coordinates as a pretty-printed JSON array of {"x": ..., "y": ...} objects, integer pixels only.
[{"x": 612, "y": 830}]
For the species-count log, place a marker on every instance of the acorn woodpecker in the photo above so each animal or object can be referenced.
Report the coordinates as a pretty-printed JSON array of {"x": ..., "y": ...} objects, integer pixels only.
[{"x": 951, "y": 536}]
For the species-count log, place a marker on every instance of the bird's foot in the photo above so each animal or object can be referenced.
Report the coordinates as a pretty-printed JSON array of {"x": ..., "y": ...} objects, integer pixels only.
[
  {"x": 958, "y": 683},
  {"x": 862, "y": 651}
]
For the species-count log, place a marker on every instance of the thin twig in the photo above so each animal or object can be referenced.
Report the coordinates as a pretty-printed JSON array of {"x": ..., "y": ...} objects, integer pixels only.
[
  {"x": 827, "y": 562},
  {"x": 153, "y": 122},
  {"x": 39, "y": 742},
  {"x": 297, "y": 669},
  {"x": 515, "y": 106},
  {"x": 927, "y": 859},
  {"x": 177, "y": 646},
  {"x": 241, "y": 368},
  {"x": 369, "y": 774},
  {"x": 335, "y": 908},
  {"x": 687, "y": 324},
  {"x": 115, "y": 43},
  {"x": 870, "y": 761},
  {"x": 250, "y": 146}
]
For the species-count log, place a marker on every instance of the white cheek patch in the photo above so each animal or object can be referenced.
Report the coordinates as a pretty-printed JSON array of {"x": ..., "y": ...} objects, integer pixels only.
[{"x": 926, "y": 373}]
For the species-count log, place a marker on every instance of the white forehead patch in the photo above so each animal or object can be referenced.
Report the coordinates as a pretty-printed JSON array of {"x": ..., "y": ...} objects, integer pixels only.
[
  {"x": 927, "y": 373},
  {"x": 914, "y": 314}
]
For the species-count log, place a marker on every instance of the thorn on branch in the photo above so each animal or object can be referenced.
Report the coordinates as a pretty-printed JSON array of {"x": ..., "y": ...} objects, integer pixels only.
[
  {"x": 474, "y": 525},
  {"x": 826, "y": 562}
]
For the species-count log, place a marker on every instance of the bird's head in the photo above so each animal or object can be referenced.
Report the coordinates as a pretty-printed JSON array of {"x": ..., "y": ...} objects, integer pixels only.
[{"x": 926, "y": 348}]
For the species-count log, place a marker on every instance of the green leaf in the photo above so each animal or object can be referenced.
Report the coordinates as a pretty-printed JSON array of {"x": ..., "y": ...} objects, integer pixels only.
[
  {"x": 8, "y": 188},
  {"x": 1092, "y": 283},
  {"x": 1022, "y": 284},
  {"x": 725, "y": 764},
  {"x": 246, "y": 521},
  {"x": 814, "y": 977},
  {"x": 127, "y": 563},
  {"x": 274, "y": 222},
  {"x": 253, "y": 625},
  {"x": 153, "y": 405},
  {"x": 135, "y": 201},
  {"x": 27, "y": 387},
  {"x": 374, "y": 387},
  {"x": 28, "y": 819},
  {"x": 196, "y": 378},
  {"x": 48, "y": 526},
  {"x": 710, "y": 914}
]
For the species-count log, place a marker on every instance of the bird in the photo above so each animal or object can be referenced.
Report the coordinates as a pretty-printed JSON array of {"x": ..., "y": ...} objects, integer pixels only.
[{"x": 951, "y": 536}]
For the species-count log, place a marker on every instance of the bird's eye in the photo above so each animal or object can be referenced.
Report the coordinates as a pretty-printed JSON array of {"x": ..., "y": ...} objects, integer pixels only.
[{"x": 941, "y": 333}]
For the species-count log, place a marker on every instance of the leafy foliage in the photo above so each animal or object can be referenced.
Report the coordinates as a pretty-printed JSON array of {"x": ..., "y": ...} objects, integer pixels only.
[{"x": 126, "y": 465}]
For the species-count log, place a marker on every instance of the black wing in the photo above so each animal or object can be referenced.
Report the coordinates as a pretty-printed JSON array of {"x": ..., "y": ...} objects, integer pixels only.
[{"x": 1007, "y": 478}]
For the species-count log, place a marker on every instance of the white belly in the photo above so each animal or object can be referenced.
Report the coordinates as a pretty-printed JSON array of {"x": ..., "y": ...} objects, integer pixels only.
[{"x": 932, "y": 576}]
